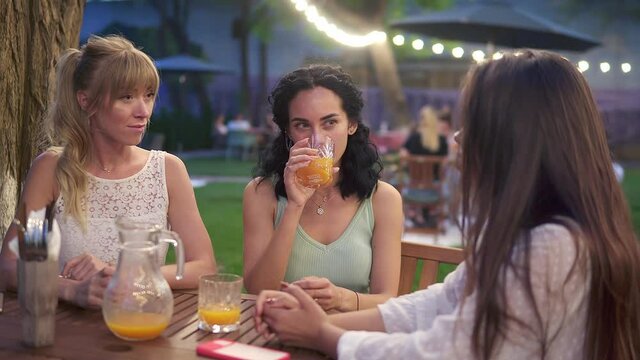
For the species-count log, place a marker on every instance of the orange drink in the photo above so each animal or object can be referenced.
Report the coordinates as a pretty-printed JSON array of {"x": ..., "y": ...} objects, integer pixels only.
[
  {"x": 220, "y": 315},
  {"x": 318, "y": 173},
  {"x": 219, "y": 302},
  {"x": 131, "y": 325}
]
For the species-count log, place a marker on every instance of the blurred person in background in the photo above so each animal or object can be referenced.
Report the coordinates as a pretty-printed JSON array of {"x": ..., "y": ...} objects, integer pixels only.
[
  {"x": 425, "y": 139},
  {"x": 219, "y": 132}
]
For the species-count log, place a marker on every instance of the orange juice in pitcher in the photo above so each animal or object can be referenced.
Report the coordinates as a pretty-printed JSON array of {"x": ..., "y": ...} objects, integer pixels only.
[{"x": 130, "y": 325}]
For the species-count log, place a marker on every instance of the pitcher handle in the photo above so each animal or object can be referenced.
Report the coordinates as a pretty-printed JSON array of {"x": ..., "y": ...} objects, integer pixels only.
[{"x": 173, "y": 239}]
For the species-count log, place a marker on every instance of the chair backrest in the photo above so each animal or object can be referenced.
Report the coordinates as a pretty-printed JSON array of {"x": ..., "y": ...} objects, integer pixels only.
[
  {"x": 240, "y": 138},
  {"x": 425, "y": 171},
  {"x": 432, "y": 256}
]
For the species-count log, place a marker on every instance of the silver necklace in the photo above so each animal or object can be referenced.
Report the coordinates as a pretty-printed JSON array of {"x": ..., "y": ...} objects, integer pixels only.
[{"x": 320, "y": 206}]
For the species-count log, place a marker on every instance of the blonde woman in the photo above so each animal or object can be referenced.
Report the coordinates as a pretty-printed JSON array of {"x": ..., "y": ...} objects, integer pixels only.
[
  {"x": 426, "y": 139},
  {"x": 96, "y": 172}
]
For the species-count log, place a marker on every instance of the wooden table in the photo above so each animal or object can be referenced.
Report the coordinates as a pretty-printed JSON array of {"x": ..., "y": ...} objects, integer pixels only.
[{"x": 82, "y": 334}]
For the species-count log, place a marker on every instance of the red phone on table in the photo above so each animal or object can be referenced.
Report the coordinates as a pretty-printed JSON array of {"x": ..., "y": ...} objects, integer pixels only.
[{"x": 232, "y": 350}]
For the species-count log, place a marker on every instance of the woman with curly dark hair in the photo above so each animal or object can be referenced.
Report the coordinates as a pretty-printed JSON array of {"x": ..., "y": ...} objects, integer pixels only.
[
  {"x": 340, "y": 243},
  {"x": 552, "y": 267}
]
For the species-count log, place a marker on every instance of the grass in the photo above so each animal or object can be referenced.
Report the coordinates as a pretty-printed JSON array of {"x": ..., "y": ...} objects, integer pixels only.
[
  {"x": 631, "y": 187},
  {"x": 218, "y": 167},
  {"x": 221, "y": 209},
  {"x": 220, "y": 206}
]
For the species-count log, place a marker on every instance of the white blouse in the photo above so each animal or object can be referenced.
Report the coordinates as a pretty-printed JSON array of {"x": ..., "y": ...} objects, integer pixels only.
[
  {"x": 141, "y": 197},
  {"x": 435, "y": 324}
]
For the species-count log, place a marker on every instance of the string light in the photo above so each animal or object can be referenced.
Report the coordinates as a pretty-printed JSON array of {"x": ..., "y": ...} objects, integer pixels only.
[
  {"x": 457, "y": 52},
  {"x": 417, "y": 44},
  {"x": 301, "y": 5},
  {"x": 583, "y": 65},
  {"x": 398, "y": 40},
  {"x": 331, "y": 30},
  {"x": 477, "y": 56}
]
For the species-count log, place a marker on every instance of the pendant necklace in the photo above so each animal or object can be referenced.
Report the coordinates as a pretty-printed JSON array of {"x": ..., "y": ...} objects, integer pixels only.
[
  {"x": 104, "y": 168},
  {"x": 320, "y": 210}
]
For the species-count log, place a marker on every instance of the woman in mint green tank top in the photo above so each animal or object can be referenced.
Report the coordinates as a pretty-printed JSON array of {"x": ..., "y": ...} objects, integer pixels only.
[{"x": 340, "y": 242}]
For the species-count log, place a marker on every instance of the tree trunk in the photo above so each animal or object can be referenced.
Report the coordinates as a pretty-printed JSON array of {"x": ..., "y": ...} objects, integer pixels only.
[
  {"x": 263, "y": 88},
  {"x": 32, "y": 36}
]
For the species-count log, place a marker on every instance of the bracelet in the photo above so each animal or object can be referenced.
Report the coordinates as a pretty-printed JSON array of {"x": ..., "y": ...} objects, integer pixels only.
[{"x": 357, "y": 300}]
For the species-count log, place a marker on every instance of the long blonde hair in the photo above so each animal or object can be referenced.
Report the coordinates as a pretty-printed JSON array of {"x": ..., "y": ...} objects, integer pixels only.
[
  {"x": 428, "y": 129},
  {"x": 102, "y": 67}
]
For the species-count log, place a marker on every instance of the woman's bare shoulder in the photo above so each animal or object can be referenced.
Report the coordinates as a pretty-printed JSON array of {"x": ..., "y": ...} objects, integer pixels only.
[
  {"x": 385, "y": 192},
  {"x": 260, "y": 187}
]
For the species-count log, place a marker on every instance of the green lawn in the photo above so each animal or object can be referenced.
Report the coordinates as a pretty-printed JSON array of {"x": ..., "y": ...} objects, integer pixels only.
[
  {"x": 221, "y": 209},
  {"x": 631, "y": 187},
  {"x": 220, "y": 206},
  {"x": 218, "y": 167}
]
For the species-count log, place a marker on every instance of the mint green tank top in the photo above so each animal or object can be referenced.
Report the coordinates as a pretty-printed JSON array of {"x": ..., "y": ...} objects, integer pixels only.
[{"x": 346, "y": 262}]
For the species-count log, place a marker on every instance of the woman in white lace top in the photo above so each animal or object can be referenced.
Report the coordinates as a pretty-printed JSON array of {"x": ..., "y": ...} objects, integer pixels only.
[
  {"x": 96, "y": 172},
  {"x": 552, "y": 267}
]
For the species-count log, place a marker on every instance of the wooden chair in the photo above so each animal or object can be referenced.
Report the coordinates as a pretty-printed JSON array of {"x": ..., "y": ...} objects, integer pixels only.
[
  {"x": 422, "y": 189},
  {"x": 432, "y": 256}
]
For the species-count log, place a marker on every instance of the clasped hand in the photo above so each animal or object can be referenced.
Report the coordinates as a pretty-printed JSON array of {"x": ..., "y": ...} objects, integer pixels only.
[
  {"x": 87, "y": 278},
  {"x": 281, "y": 313},
  {"x": 327, "y": 295}
]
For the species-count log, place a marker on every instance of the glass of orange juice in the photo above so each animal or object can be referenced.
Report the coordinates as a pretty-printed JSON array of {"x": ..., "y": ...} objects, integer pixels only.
[
  {"x": 219, "y": 302},
  {"x": 319, "y": 172}
]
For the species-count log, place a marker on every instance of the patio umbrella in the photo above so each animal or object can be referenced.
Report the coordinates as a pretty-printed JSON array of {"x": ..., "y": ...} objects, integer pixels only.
[
  {"x": 188, "y": 64},
  {"x": 182, "y": 66},
  {"x": 496, "y": 23}
]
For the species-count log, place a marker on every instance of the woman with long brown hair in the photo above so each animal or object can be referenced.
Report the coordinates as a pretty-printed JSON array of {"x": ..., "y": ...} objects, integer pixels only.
[{"x": 552, "y": 264}]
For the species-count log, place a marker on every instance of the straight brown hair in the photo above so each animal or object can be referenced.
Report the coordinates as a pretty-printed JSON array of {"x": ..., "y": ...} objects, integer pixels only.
[{"x": 535, "y": 151}]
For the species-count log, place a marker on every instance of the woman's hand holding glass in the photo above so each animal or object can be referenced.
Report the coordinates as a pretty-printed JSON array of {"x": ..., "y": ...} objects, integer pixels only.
[{"x": 300, "y": 156}]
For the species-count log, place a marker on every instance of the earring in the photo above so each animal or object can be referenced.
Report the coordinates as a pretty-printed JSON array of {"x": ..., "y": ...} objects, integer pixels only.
[{"x": 288, "y": 143}]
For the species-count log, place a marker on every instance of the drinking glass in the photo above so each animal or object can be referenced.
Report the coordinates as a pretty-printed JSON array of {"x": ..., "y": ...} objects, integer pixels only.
[
  {"x": 319, "y": 172},
  {"x": 219, "y": 302}
]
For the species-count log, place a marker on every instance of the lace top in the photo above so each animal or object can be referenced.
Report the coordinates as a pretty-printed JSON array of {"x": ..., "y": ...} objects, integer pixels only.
[
  {"x": 436, "y": 324},
  {"x": 142, "y": 196}
]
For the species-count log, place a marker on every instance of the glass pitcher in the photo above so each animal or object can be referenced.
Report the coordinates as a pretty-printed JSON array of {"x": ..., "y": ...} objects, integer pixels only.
[{"x": 138, "y": 303}]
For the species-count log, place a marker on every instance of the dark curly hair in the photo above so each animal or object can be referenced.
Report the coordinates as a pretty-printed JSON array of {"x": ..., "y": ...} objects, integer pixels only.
[{"x": 360, "y": 167}]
